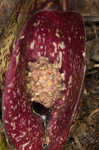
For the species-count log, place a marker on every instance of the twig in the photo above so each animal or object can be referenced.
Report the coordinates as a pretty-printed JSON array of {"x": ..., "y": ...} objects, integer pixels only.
[
  {"x": 96, "y": 66},
  {"x": 92, "y": 113},
  {"x": 91, "y": 19}
]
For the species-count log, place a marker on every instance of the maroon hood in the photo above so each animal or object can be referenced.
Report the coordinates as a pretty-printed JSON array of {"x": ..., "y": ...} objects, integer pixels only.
[{"x": 60, "y": 37}]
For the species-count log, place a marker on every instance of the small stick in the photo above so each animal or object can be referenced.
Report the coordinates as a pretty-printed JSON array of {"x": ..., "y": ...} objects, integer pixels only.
[
  {"x": 92, "y": 113},
  {"x": 96, "y": 66}
]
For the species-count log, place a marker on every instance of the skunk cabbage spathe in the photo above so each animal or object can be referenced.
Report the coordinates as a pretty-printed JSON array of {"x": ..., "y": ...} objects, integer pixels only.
[{"x": 60, "y": 37}]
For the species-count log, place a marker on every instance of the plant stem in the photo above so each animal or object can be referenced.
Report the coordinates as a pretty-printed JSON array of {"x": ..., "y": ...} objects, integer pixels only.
[{"x": 64, "y": 5}]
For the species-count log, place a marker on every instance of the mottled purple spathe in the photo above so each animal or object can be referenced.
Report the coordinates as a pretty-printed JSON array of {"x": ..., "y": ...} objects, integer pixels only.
[{"x": 60, "y": 37}]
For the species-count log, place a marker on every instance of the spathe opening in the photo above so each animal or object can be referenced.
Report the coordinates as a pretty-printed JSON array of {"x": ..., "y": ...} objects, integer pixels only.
[{"x": 40, "y": 110}]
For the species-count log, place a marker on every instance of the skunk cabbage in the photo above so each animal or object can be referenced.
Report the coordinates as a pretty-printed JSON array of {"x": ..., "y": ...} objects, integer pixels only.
[{"x": 59, "y": 37}]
